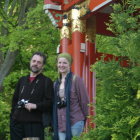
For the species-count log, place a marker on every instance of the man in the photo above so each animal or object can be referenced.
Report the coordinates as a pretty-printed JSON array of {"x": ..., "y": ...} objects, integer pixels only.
[{"x": 32, "y": 97}]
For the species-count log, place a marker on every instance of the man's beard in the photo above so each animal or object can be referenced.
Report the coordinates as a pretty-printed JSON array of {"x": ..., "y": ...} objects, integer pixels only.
[{"x": 35, "y": 69}]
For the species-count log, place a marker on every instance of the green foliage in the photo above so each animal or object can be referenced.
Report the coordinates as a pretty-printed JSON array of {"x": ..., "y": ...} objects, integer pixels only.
[
  {"x": 36, "y": 33},
  {"x": 117, "y": 106},
  {"x": 4, "y": 119},
  {"x": 118, "y": 88},
  {"x": 125, "y": 25},
  {"x": 48, "y": 133}
]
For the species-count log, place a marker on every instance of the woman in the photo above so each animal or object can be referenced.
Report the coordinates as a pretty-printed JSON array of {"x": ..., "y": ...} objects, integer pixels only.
[{"x": 70, "y": 101}]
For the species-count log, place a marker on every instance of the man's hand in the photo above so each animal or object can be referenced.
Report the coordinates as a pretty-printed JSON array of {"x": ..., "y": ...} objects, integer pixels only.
[{"x": 30, "y": 106}]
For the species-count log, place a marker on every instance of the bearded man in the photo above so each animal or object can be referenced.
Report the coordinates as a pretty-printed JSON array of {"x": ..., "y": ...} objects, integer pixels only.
[{"x": 32, "y": 97}]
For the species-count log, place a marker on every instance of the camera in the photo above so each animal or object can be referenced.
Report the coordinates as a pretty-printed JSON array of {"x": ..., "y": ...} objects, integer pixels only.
[
  {"x": 21, "y": 103},
  {"x": 61, "y": 103}
]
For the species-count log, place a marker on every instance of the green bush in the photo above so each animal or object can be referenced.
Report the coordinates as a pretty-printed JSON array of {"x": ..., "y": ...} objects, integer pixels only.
[
  {"x": 118, "y": 88},
  {"x": 4, "y": 120}
]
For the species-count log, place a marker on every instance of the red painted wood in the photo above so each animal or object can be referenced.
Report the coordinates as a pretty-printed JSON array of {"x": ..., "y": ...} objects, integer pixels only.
[
  {"x": 70, "y": 4},
  {"x": 57, "y": 1},
  {"x": 78, "y": 57},
  {"x": 101, "y": 27},
  {"x": 124, "y": 62},
  {"x": 48, "y": 2},
  {"x": 95, "y": 3},
  {"x": 65, "y": 43},
  {"x": 56, "y": 17},
  {"x": 90, "y": 78}
]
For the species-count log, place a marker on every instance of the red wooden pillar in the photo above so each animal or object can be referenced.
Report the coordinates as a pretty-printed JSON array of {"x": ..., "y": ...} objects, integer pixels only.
[
  {"x": 91, "y": 59},
  {"x": 65, "y": 35},
  {"x": 78, "y": 37}
]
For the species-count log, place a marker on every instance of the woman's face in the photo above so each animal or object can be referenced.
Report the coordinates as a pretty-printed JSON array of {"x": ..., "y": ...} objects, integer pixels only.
[{"x": 63, "y": 65}]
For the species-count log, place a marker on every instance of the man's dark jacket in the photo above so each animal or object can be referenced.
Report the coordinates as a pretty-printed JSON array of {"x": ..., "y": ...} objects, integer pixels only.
[{"x": 39, "y": 92}]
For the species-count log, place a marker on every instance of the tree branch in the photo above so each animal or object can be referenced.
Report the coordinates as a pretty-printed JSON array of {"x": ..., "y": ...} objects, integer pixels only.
[
  {"x": 6, "y": 66},
  {"x": 10, "y": 56}
]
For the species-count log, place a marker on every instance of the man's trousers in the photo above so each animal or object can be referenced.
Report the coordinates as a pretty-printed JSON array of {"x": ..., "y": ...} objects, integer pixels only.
[{"x": 20, "y": 130}]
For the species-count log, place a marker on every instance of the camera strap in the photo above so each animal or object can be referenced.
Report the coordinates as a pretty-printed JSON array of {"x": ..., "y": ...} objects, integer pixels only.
[{"x": 24, "y": 86}]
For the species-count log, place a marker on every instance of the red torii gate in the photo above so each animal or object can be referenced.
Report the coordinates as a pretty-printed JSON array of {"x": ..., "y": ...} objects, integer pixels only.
[{"x": 79, "y": 21}]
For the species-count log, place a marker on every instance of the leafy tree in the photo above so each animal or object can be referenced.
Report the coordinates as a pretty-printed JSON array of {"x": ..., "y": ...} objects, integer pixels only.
[
  {"x": 12, "y": 15},
  {"x": 26, "y": 30},
  {"x": 24, "y": 27}
]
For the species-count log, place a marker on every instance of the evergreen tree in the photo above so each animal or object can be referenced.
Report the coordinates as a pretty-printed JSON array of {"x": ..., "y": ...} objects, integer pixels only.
[{"x": 118, "y": 88}]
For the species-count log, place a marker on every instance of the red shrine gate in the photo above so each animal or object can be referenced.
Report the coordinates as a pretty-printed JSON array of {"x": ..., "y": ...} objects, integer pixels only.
[{"x": 79, "y": 21}]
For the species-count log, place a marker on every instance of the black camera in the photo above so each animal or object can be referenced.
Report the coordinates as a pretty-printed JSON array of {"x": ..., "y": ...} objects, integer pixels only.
[
  {"x": 21, "y": 103},
  {"x": 61, "y": 103}
]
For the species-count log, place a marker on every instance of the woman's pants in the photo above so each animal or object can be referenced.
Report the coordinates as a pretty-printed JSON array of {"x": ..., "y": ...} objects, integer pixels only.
[{"x": 76, "y": 130}]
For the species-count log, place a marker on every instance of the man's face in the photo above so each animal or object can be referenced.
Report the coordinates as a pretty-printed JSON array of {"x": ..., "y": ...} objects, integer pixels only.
[{"x": 36, "y": 64}]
